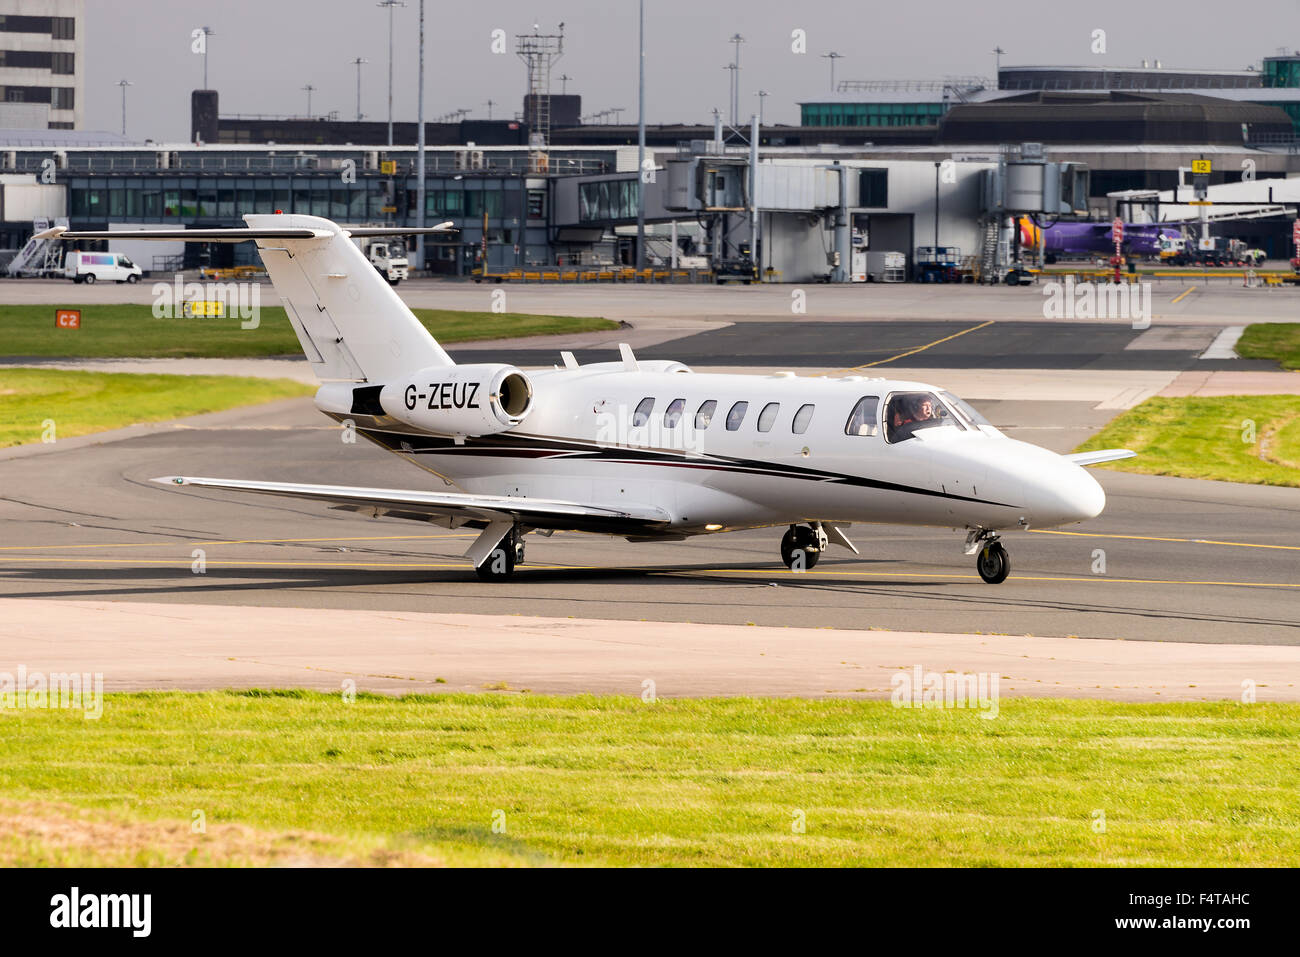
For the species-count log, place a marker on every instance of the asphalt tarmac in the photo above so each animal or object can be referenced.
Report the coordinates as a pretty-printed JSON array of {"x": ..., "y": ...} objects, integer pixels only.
[{"x": 1169, "y": 560}]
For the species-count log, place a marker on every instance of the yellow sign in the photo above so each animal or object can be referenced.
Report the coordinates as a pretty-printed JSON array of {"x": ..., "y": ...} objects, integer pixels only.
[
  {"x": 204, "y": 309},
  {"x": 1199, "y": 202},
  {"x": 389, "y": 167},
  {"x": 1200, "y": 166},
  {"x": 388, "y": 209}
]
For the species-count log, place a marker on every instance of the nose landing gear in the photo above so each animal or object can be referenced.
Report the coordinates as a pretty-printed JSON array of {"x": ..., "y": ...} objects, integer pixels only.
[
  {"x": 993, "y": 563},
  {"x": 802, "y": 545}
]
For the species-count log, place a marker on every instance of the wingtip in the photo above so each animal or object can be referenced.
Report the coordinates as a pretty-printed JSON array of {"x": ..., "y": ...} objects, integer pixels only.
[{"x": 169, "y": 480}]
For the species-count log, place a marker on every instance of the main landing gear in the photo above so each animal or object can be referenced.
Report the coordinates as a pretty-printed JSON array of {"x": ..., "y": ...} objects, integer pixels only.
[
  {"x": 501, "y": 561},
  {"x": 992, "y": 561},
  {"x": 802, "y": 546}
]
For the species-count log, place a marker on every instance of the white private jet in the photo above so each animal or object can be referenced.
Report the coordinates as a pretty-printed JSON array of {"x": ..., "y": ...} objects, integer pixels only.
[{"x": 645, "y": 450}]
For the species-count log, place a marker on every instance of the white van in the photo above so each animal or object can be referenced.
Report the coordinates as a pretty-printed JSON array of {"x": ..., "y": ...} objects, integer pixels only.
[{"x": 92, "y": 267}]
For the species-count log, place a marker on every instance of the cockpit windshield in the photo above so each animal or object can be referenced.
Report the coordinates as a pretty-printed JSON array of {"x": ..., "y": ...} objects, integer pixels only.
[
  {"x": 965, "y": 410},
  {"x": 907, "y": 413}
]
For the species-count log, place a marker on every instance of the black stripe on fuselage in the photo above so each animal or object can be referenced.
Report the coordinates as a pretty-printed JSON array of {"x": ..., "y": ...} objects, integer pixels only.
[{"x": 515, "y": 445}]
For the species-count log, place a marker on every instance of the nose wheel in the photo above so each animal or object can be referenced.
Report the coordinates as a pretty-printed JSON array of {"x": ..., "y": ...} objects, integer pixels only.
[
  {"x": 801, "y": 547},
  {"x": 993, "y": 563},
  {"x": 991, "y": 558}
]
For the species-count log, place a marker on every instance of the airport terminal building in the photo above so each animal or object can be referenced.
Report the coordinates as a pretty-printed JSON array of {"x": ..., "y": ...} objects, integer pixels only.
[{"x": 879, "y": 166}]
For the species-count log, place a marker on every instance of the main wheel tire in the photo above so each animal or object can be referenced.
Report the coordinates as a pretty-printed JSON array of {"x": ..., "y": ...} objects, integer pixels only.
[
  {"x": 800, "y": 541},
  {"x": 993, "y": 563},
  {"x": 89, "y": 279},
  {"x": 500, "y": 563}
]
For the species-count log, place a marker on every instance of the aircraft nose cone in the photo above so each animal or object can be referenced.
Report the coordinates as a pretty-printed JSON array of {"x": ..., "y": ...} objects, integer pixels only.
[{"x": 1065, "y": 495}]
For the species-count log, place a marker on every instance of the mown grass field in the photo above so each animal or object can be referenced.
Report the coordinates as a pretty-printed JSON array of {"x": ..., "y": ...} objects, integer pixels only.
[
  {"x": 79, "y": 403},
  {"x": 131, "y": 331},
  {"x": 296, "y": 777},
  {"x": 1253, "y": 439},
  {"x": 1272, "y": 340}
]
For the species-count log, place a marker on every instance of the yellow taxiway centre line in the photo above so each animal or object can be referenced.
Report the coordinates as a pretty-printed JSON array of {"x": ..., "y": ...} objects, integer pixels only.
[
  {"x": 912, "y": 352},
  {"x": 247, "y": 541},
  {"x": 1180, "y": 296},
  {"x": 225, "y": 562},
  {"x": 1152, "y": 538},
  {"x": 755, "y": 573},
  {"x": 1022, "y": 578}
]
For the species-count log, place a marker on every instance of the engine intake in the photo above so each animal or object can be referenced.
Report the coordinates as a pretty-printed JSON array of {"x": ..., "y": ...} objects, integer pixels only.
[{"x": 460, "y": 400}]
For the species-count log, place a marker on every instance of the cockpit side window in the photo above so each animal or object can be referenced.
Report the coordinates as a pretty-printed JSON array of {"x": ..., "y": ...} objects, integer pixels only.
[
  {"x": 767, "y": 418},
  {"x": 862, "y": 420},
  {"x": 907, "y": 413},
  {"x": 736, "y": 416}
]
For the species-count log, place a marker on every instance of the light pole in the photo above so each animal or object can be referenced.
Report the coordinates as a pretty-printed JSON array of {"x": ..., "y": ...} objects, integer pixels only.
[
  {"x": 997, "y": 67},
  {"x": 390, "y": 4},
  {"x": 731, "y": 93},
  {"x": 564, "y": 79},
  {"x": 357, "y": 62},
  {"x": 735, "y": 39},
  {"x": 208, "y": 34},
  {"x": 419, "y": 153},
  {"x": 308, "y": 89},
  {"x": 640, "y": 140},
  {"x": 832, "y": 56},
  {"x": 762, "y": 95},
  {"x": 124, "y": 84}
]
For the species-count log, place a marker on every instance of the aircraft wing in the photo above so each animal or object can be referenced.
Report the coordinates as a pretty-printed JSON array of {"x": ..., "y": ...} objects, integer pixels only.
[
  {"x": 540, "y": 513},
  {"x": 1099, "y": 456}
]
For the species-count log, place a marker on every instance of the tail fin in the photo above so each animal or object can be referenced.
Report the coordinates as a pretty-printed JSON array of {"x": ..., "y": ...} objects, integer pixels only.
[{"x": 350, "y": 322}]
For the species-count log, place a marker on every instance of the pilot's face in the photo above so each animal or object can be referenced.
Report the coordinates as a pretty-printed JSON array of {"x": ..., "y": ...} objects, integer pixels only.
[{"x": 927, "y": 409}]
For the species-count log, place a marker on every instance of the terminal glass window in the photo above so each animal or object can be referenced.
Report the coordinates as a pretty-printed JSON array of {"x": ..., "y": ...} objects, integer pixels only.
[
  {"x": 802, "y": 419},
  {"x": 704, "y": 414},
  {"x": 642, "y": 414},
  {"x": 673, "y": 414},
  {"x": 862, "y": 420},
  {"x": 767, "y": 418},
  {"x": 736, "y": 416},
  {"x": 873, "y": 187}
]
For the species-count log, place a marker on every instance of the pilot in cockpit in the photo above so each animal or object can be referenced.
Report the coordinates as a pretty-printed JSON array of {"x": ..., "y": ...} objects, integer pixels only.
[{"x": 911, "y": 413}]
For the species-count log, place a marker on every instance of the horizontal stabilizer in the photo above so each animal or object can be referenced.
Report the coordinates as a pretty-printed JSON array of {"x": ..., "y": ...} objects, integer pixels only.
[{"x": 1101, "y": 455}]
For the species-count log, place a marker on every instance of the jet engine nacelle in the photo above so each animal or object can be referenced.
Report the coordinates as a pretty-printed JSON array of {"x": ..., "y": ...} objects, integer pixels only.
[{"x": 460, "y": 400}]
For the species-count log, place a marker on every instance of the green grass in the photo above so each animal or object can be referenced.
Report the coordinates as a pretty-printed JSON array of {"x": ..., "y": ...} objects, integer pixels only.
[
  {"x": 131, "y": 331},
  {"x": 1239, "y": 438},
  {"x": 614, "y": 781},
  {"x": 1272, "y": 340},
  {"x": 79, "y": 403}
]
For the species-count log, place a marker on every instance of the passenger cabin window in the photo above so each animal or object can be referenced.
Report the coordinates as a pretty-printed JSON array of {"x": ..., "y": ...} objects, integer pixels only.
[
  {"x": 862, "y": 420},
  {"x": 767, "y": 418},
  {"x": 673, "y": 414},
  {"x": 736, "y": 416},
  {"x": 642, "y": 414},
  {"x": 704, "y": 414},
  {"x": 907, "y": 413},
  {"x": 801, "y": 420}
]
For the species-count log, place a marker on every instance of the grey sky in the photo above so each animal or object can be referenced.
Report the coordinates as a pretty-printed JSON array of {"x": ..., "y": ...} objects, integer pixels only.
[{"x": 265, "y": 51}]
